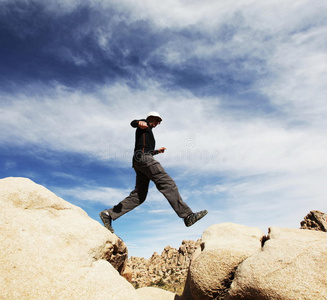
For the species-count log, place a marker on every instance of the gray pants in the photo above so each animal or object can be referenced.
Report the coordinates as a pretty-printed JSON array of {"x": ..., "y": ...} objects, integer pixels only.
[{"x": 147, "y": 168}]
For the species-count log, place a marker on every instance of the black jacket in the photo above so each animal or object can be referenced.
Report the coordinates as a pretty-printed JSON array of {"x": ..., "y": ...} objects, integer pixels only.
[{"x": 144, "y": 139}]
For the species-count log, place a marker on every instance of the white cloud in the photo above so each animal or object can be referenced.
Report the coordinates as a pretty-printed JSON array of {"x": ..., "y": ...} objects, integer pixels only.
[
  {"x": 198, "y": 133},
  {"x": 105, "y": 195},
  {"x": 65, "y": 121},
  {"x": 299, "y": 66}
]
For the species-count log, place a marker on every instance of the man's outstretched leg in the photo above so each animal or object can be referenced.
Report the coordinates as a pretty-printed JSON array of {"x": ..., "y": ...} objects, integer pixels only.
[
  {"x": 167, "y": 186},
  {"x": 135, "y": 198}
]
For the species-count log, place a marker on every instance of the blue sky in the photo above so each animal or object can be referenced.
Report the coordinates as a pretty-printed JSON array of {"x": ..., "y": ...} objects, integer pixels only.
[{"x": 241, "y": 88}]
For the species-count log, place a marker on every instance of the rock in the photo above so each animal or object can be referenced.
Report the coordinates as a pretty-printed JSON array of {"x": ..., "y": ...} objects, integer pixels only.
[
  {"x": 127, "y": 274},
  {"x": 315, "y": 220},
  {"x": 223, "y": 248},
  {"x": 291, "y": 266},
  {"x": 168, "y": 269},
  {"x": 151, "y": 293},
  {"x": 51, "y": 249}
]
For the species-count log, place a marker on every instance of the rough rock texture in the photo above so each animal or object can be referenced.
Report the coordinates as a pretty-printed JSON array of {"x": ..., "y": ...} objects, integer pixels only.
[
  {"x": 315, "y": 220},
  {"x": 51, "y": 249},
  {"x": 291, "y": 266},
  {"x": 223, "y": 248},
  {"x": 168, "y": 269}
]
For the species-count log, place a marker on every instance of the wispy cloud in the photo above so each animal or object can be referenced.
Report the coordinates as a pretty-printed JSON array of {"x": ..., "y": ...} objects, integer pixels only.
[{"x": 105, "y": 195}]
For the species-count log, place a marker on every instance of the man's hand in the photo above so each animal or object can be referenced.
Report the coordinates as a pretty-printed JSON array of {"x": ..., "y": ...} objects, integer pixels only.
[
  {"x": 143, "y": 125},
  {"x": 161, "y": 150}
]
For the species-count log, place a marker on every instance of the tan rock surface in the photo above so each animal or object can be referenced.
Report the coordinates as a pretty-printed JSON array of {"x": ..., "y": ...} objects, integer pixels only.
[
  {"x": 223, "y": 248},
  {"x": 291, "y": 266},
  {"x": 151, "y": 293},
  {"x": 51, "y": 249}
]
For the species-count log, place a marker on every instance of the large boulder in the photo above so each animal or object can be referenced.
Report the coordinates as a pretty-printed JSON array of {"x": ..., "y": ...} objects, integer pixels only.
[
  {"x": 51, "y": 249},
  {"x": 291, "y": 266},
  {"x": 224, "y": 247}
]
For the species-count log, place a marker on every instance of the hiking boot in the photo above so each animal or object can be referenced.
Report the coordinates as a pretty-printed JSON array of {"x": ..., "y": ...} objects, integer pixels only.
[
  {"x": 194, "y": 217},
  {"x": 106, "y": 220}
]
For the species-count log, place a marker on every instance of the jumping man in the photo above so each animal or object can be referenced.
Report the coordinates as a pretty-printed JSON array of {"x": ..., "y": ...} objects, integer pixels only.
[{"x": 146, "y": 169}]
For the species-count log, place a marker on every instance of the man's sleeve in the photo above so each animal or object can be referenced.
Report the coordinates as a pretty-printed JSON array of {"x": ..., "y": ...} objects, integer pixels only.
[{"x": 135, "y": 123}]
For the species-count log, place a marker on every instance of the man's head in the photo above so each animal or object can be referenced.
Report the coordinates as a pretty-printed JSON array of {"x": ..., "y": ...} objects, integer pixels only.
[{"x": 153, "y": 119}]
